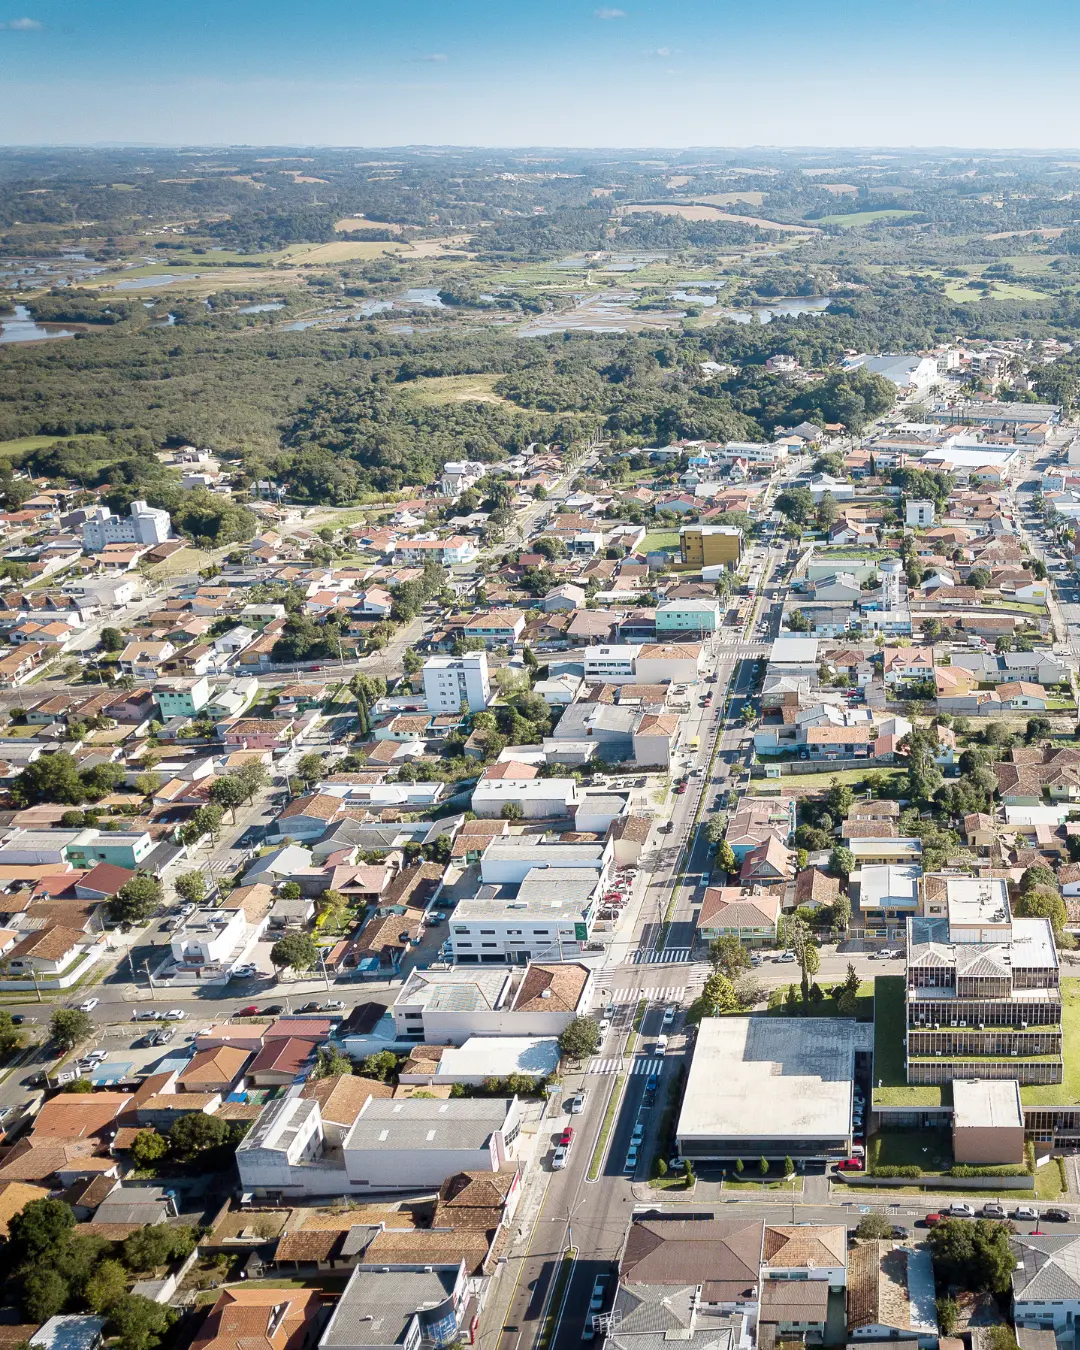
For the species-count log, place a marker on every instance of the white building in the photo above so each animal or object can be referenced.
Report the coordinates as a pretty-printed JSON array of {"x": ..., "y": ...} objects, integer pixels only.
[
  {"x": 410, "y": 1144},
  {"x": 549, "y": 919},
  {"x": 910, "y": 374},
  {"x": 755, "y": 452},
  {"x": 452, "y": 681},
  {"x": 920, "y": 514},
  {"x": 210, "y": 937},
  {"x": 458, "y": 476},
  {"x": 538, "y": 798},
  {"x": 663, "y": 663},
  {"x": 145, "y": 525},
  {"x": 507, "y": 861},
  {"x": 450, "y": 1007},
  {"x": 611, "y": 664}
]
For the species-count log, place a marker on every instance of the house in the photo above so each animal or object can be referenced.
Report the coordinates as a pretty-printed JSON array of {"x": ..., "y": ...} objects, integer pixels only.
[
  {"x": 768, "y": 864},
  {"x": 831, "y": 742},
  {"x": 277, "y": 1319},
  {"x": 1019, "y": 694},
  {"x": 258, "y": 733},
  {"x": 655, "y": 737},
  {"x": 218, "y": 1069},
  {"x": 145, "y": 659},
  {"x": 814, "y": 888},
  {"x": 891, "y": 1295},
  {"x": 496, "y": 628},
  {"x": 727, "y": 911},
  {"x": 1045, "y": 1281},
  {"x": 306, "y": 818},
  {"x": 567, "y": 597},
  {"x": 280, "y": 1062},
  {"x": 901, "y": 664}
]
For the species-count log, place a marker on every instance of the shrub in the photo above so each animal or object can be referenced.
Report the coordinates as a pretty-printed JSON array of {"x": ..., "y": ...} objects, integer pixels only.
[
  {"x": 908, "y": 1170},
  {"x": 967, "y": 1170}
]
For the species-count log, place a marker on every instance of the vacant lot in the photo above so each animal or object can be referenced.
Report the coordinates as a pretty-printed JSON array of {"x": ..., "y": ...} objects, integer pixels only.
[
  {"x": 25, "y": 443},
  {"x": 341, "y": 250},
  {"x": 732, "y": 198},
  {"x": 439, "y": 389},
  {"x": 853, "y": 219},
  {"x": 691, "y": 212},
  {"x": 964, "y": 293},
  {"x": 362, "y": 223}
]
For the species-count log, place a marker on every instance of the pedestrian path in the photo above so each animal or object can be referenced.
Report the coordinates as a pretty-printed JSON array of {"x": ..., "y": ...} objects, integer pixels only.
[
  {"x": 643, "y": 1065},
  {"x": 669, "y": 955}
]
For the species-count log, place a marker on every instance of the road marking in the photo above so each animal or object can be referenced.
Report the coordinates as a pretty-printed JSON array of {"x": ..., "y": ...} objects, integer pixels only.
[
  {"x": 643, "y": 1065},
  {"x": 668, "y": 993},
  {"x": 605, "y": 1065},
  {"x": 670, "y": 955}
]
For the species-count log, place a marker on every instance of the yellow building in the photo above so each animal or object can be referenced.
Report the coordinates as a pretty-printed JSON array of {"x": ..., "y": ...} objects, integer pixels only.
[{"x": 711, "y": 545}]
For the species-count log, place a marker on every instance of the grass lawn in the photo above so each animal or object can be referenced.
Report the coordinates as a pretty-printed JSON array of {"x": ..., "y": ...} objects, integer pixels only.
[
  {"x": 436, "y": 390},
  {"x": 852, "y": 219},
  {"x": 963, "y": 292},
  {"x": 889, "y": 1070},
  {"x": 1066, "y": 1092},
  {"x": 605, "y": 1129},
  {"x": 1048, "y": 1181},
  {"x": 752, "y": 1180},
  {"x": 25, "y": 443},
  {"x": 802, "y": 781},
  {"x": 659, "y": 539},
  {"x": 186, "y": 560},
  {"x": 929, "y": 1149}
]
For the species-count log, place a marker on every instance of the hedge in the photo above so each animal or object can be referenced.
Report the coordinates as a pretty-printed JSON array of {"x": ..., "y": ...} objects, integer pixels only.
[
  {"x": 1010, "y": 1170},
  {"x": 910, "y": 1170}
]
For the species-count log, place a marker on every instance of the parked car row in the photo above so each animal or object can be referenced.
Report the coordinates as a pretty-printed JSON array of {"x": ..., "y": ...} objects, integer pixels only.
[{"x": 993, "y": 1210}]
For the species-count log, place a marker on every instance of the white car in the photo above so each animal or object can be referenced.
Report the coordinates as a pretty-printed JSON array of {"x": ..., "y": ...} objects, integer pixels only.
[
  {"x": 186, "y": 910},
  {"x": 145, "y": 1015},
  {"x": 559, "y": 1160},
  {"x": 1025, "y": 1212},
  {"x": 960, "y": 1210},
  {"x": 605, "y": 1026},
  {"x": 174, "y": 1015},
  {"x": 786, "y": 957},
  {"x": 97, "y": 1056},
  {"x": 669, "y": 1015},
  {"x": 89, "y": 1005}
]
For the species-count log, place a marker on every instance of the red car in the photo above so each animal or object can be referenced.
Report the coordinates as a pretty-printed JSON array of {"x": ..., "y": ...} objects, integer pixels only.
[
  {"x": 567, "y": 1137},
  {"x": 250, "y": 1011},
  {"x": 680, "y": 789},
  {"x": 850, "y": 1165},
  {"x": 932, "y": 1220}
]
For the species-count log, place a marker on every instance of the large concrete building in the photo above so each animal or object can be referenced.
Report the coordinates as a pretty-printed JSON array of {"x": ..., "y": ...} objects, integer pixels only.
[
  {"x": 787, "y": 1089},
  {"x": 145, "y": 525}
]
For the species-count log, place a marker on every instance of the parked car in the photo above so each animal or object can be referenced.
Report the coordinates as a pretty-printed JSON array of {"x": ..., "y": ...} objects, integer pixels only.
[
  {"x": 163, "y": 1037},
  {"x": 596, "y": 1305},
  {"x": 89, "y": 1005},
  {"x": 174, "y": 1015},
  {"x": 899, "y": 1232},
  {"x": 992, "y": 1210},
  {"x": 932, "y": 1220},
  {"x": 959, "y": 1209},
  {"x": 559, "y": 1160},
  {"x": 1056, "y": 1215},
  {"x": 145, "y": 1015},
  {"x": 566, "y": 1139},
  {"x": 661, "y": 1045},
  {"x": 850, "y": 1165},
  {"x": 272, "y": 1010},
  {"x": 97, "y": 1056},
  {"x": 187, "y": 910},
  {"x": 650, "y": 1083},
  {"x": 577, "y": 1103},
  {"x": 681, "y": 789},
  {"x": 605, "y": 1026},
  {"x": 313, "y": 1006},
  {"x": 252, "y": 1010},
  {"x": 1026, "y": 1212},
  {"x": 786, "y": 957},
  {"x": 630, "y": 1166}
]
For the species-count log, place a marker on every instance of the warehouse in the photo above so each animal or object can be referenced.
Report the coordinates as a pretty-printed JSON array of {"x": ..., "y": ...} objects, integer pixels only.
[{"x": 787, "y": 1089}]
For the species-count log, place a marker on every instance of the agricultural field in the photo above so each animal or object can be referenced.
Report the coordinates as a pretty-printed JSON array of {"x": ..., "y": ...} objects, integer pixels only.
[{"x": 853, "y": 219}]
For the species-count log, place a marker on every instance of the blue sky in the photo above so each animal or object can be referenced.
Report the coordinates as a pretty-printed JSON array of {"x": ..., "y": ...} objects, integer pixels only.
[{"x": 541, "y": 72}]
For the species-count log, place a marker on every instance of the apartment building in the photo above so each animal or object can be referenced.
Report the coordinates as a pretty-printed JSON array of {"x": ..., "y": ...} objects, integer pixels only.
[
  {"x": 453, "y": 682},
  {"x": 707, "y": 545},
  {"x": 144, "y": 525}
]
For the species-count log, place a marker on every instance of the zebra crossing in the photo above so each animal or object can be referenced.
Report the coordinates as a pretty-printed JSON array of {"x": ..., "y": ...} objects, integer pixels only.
[
  {"x": 669, "y": 956},
  {"x": 653, "y": 993},
  {"x": 616, "y": 1064}
]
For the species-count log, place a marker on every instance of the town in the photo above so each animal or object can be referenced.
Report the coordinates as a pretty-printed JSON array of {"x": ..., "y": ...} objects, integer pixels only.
[{"x": 655, "y": 870}]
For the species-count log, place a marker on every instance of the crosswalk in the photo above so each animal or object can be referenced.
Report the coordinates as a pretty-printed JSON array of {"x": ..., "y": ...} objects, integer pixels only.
[
  {"x": 669, "y": 956},
  {"x": 616, "y": 1064},
  {"x": 654, "y": 993}
]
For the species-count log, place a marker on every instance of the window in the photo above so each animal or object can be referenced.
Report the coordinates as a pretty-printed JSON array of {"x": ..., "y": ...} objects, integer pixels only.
[
  {"x": 487, "y": 932},
  {"x": 489, "y": 944},
  {"x": 464, "y": 944}
]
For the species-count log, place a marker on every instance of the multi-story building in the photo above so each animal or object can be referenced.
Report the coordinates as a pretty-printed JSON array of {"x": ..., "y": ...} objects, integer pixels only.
[
  {"x": 707, "y": 545},
  {"x": 145, "y": 525},
  {"x": 451, "y": 682},
  {"x": 498, "y": 627},
  {"x": 983, "y": 988},
  {"x": 920, "y": 513},
  {"x": 687, "y": 616}
]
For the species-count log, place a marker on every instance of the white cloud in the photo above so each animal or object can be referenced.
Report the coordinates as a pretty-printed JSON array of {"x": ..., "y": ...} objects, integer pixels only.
[
  {"x": 436, "y": 56},
  {"x": 22, "y": 25},
  {"x": 609, "y": 13},
  {"x": 662, "y": 52}
]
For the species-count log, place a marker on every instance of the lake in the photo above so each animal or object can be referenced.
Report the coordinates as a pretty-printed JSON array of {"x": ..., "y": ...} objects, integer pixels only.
[
  {"x": 261, "y": 309},
  {"x": 20, "y": 327},
  {"x": 144, "y": 283}
]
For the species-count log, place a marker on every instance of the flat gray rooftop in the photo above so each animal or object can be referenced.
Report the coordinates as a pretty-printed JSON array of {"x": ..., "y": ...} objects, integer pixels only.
[
  {"x": 378, "y": 1305},
  {"x": 770, "y": 1078},
  {"x": 419, "y": 1123}
]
